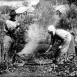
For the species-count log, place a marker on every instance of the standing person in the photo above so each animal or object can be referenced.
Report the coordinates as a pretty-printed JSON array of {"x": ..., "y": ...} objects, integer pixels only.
[
  {"x": 66, "y": 46},
  {"x": 10, "y": 27}
]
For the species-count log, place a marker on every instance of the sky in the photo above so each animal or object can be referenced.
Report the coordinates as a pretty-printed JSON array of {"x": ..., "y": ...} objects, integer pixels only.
[
  {"x": 33, "y": 2},
  {"x": 13, "y": 2}
]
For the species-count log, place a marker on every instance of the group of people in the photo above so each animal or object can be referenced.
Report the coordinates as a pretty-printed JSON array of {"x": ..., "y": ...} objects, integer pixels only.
[{"x": 67, "y": 40}]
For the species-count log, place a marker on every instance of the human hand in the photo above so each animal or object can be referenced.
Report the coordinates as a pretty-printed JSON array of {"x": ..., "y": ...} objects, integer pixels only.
[
  {"x": 60, "y": 47},
  {"x": 49, "y": 48}
]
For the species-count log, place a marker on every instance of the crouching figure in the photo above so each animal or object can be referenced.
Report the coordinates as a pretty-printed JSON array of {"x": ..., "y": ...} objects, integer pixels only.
[{"x": 66, "y": 46}]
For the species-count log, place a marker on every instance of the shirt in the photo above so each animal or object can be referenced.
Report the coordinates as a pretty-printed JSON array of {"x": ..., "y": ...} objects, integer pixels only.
[
  {"x": 61, "y": 35},
  {"x": 10, "y": 25}
]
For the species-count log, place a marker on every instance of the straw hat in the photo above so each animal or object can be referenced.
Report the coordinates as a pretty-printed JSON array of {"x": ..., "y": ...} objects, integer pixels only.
[{"x": 12, "y": 13}]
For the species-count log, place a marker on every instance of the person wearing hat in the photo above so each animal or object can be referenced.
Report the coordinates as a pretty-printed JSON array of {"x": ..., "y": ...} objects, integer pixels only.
[
  {"x": 10, "y": 27},
  {"x": 66, "y": 45},
  {"x": 60, "y": 16}
]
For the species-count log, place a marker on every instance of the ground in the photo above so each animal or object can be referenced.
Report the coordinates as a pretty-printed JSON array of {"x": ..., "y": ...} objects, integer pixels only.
[
  {"x": 42, "y": 68},
  {"x": 48, "y": 69}
]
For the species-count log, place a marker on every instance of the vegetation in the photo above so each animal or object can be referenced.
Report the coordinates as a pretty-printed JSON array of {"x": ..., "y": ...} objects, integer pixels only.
[{"x": 44, "y": 16}]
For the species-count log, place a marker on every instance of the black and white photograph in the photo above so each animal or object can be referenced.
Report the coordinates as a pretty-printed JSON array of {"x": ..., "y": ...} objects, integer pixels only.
[{"x": 38, "y": 38}]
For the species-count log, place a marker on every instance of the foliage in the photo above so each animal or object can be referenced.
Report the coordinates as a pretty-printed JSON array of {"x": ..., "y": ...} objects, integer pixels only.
[
  {"x": 45, "y": 12},
  {"x": 72, "y": 2},
  {"x": 73, "y": 15},
  {"x": 5, "y": 9}
]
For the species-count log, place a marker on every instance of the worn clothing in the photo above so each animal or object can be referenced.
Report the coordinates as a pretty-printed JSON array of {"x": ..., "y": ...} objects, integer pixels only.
[
  {"x": 7, "y": 41},
  {"x": 67, "y": 42},
  {"x": 10, "y": 25},
  {"x": 56, "y": 37},
  {"x": 66, "y": 36},
  {"x": 70, "y": 47},
  {"x": 62, "y": 35}
]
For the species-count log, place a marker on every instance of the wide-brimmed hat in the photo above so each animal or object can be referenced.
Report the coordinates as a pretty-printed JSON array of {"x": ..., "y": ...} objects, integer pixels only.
[{"x": 12, "y": 13}]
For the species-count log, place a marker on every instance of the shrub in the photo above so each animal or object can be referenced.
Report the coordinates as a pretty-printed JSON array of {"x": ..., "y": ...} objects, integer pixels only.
[{"x": 5, "y": 9}]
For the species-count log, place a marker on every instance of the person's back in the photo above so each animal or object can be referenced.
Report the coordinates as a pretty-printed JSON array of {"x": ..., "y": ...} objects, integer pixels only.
[{"x": 62, "y": 33}]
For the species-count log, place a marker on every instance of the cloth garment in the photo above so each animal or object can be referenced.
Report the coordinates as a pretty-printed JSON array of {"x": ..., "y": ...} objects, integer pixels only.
[
  {"x": 10, "y": 25},
  {"x": 8, "y": 40},
  {"x": 67, "y": 41},
  {"x": 68, "y": 48}
]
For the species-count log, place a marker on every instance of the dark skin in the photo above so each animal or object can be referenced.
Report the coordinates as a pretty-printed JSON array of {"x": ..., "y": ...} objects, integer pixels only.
[{"x": 12, "y": 17}]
